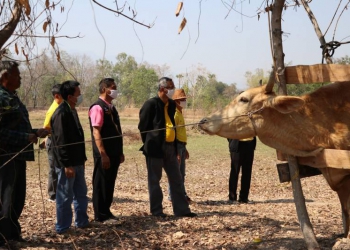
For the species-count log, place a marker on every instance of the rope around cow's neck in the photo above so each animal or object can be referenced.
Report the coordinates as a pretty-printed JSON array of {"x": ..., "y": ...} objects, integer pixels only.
[{"x": 249, "y": 114}]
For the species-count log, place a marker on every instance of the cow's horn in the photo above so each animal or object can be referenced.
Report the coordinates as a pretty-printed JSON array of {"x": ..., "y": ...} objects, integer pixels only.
[{"x": 271, "y": 82}]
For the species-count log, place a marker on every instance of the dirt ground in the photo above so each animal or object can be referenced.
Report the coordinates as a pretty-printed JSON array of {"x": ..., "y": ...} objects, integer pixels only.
[{"x": 269, "y": 223}]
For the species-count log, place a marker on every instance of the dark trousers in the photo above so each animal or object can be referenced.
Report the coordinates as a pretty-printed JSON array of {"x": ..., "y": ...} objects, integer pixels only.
[
  {"x": 181, "y": 150},
  {"x": 52, "y": 176},
  {"x": 171, "y": 167},
  {"x": 12, "y": 197},
  {"x": 240, "y": 160},
  {"x": 103, "y": 181}
]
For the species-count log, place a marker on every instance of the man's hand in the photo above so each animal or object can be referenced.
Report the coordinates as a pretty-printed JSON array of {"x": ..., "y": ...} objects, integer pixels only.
[
  {"x": 187, "y": 155},
  {"x": 106, "y": 164},
  {"x": 42, "y": 132},
  {"x": 33, "y": 138},
  {"x": 70, "y": 172},
  {"x": 122, "y": 158},
  {"x": 178, "y": 158}
]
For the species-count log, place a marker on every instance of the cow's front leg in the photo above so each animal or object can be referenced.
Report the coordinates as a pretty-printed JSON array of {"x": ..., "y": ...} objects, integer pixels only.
[{"x": 344, "y": 197}]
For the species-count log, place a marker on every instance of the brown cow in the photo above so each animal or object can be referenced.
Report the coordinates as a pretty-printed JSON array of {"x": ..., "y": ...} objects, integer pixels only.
[{"x": 299, "y": 126}]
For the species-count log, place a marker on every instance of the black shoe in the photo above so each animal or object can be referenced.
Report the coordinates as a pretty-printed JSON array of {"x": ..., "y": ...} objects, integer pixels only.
[
  {"x": 188, "y": 199},
  {"x": 100, "y": 219},
  {"x": 232, "y": 198},
  {"x": 246, "y": 201},
  {"x": 232, "y": 201},
  {"x": 162, "y": 215},
  {"x": 18, "y": 239},
  {"x": 112, "y": 216},
  {"x": 190, "y": 215}
]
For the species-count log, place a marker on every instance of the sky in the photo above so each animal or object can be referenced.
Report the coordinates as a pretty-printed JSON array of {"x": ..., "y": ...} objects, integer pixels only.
[{"x": 224, "y": 42}]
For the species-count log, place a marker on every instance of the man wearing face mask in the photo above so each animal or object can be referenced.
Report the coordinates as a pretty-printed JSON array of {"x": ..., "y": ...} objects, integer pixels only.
[
  {"x": 180, "y": 99},
  {"x": 67, "y": 138},
  {"x": 159, "y": 147},
  {"x": 107, "y": 149}
]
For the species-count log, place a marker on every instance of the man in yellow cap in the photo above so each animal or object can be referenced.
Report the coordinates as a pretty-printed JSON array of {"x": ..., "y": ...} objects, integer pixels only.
[{"x": 180, "y": 99}]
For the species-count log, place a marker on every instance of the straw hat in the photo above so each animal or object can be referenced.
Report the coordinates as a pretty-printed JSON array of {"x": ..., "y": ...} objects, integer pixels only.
[{"x": 179, "y": 94}]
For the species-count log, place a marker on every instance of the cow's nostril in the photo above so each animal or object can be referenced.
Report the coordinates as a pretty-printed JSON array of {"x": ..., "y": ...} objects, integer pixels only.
[{"x": 204, "y": 120}]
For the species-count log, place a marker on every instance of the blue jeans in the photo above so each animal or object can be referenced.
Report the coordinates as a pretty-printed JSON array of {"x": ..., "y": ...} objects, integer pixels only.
[
  {"x": 71, "y": 190},
  {"x": 181, "y": 150}
]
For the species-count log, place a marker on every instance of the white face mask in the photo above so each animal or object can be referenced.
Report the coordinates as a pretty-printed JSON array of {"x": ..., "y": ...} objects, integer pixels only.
[
  {"x": 113, "y": 94},
  {"x": 79, "y": 100},
  {"x": 183, "y": 104},
  {"x": 170, "y": 93}
]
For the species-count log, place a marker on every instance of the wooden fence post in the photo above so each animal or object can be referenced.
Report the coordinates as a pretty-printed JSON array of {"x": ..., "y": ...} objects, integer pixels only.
[{"x": 299, "y": 199}]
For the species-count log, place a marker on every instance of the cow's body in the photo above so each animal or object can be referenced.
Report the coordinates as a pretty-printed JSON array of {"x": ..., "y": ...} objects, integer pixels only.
[{"x": 299, "y": 126}]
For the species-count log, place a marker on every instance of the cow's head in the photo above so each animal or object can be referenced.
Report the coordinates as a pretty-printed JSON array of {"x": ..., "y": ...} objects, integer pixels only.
[{"x": 249, "y": 113}]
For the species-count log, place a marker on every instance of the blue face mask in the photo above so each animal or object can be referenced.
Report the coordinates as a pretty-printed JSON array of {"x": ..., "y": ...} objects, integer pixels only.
[{"x": 79, "y": 100}]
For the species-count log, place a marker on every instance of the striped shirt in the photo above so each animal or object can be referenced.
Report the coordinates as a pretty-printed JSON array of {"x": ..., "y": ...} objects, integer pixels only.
[{"x": 15, "y": 126}]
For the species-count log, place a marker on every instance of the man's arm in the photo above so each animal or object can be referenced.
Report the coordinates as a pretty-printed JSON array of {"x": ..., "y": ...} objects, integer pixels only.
[
  {"x": 146, "y": 117},
  {"x": 10, "y": 117},
  {"x": 96, "y": 131},
  {"x": 59, "y": 137}
]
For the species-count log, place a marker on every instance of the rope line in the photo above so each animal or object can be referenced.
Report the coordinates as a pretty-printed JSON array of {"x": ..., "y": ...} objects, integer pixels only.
[{"x": 249, "y": 115}]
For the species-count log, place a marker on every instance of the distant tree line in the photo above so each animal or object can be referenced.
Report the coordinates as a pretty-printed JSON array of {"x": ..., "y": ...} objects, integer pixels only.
[{"x": 136, "y": 82}]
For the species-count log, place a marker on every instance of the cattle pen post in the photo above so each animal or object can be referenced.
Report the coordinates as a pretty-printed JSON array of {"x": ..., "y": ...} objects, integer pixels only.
[
  {"x": 305, "y": 74},
  {"x": 278, "y": 59}
]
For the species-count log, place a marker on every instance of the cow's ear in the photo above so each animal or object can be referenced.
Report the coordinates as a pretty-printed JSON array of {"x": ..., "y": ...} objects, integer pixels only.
[{"x": 286, "y": 104}]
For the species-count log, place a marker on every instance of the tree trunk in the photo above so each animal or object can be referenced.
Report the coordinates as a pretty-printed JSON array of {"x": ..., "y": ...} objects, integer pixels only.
[
  {"x": 299, "y": 199},
  {"x": 10, "y": 27}
]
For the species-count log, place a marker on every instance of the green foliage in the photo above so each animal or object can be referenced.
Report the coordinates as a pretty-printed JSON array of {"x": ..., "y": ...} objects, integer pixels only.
[
  {"x": 342, "y": 60},
  {"x": 292, "y": 89},
  {"x": 123, "y": 70},
  {"x": 301, "y": 89},
  {"x": 144, "y": 85},
  {"x": 136, "y": 82},
  {"x": 253, "y": 79},
  {"x": 211, "y": 94}
]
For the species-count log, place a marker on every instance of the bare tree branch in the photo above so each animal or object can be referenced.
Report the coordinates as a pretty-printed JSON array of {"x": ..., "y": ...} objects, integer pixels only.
[
  {"x": 336, "y": 26},
  {"x": 120, "y": 13},
  {"x": 335, "y": 13},
  {"x": 317, "y": 29},
  {"x": 48, "y": 36},
  {"x": 10, "y": 27}
]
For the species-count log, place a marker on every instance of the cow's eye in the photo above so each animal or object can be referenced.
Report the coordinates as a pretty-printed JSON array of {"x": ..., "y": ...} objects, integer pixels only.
[{"x": 243, "y": 99}]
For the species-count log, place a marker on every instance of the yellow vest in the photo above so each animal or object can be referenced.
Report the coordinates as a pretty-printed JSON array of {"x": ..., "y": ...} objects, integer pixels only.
[
  {"x": 49, "y": 114},
  {"x": 180, "y": 131},
  {"x": 169, "y": 132}
]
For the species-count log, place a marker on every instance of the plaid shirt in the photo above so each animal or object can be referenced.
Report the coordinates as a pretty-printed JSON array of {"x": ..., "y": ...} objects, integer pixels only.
[{"x": 15, "y": 126}]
